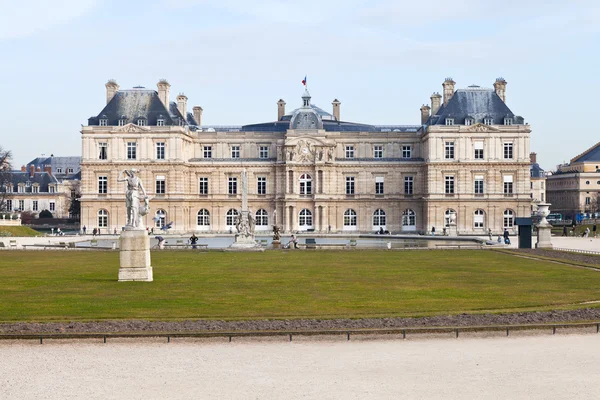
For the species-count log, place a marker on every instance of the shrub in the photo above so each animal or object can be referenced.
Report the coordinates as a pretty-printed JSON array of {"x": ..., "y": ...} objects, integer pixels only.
[{"x": 45, "y": 214}]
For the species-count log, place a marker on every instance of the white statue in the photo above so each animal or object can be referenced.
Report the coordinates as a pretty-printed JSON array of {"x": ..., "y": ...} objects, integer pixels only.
[{"x": 134, "y": 196}]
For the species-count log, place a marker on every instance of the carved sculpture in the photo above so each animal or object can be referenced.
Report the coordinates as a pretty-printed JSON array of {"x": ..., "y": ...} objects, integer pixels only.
[{"x": 134, "y": 196}]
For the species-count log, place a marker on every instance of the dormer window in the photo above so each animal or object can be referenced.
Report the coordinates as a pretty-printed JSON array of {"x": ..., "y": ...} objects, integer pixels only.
[
  {"x": 59, "y": 170},
  {"x": 141, "y": 121},
  {"x": 508, "y": 121},
  {"x": 488, "y": 121},
  {"x": 103, "y": 121},
  {"x": 181, "y": 122},
  {"x": 35, "y": 188},
  {"x": 122, "y": 120},
  {"x": 160, "y": 121},
  {"x": 28, "y": 184},
  {"x": 449, "y": 121},
  {"x": 469, "y": 121}
]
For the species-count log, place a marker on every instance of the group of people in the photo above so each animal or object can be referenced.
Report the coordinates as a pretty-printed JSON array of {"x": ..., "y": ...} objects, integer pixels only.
[{"x": 585, "y": 233}]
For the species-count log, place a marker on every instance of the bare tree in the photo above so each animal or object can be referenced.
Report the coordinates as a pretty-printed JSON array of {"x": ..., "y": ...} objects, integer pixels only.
[{"x": 5, "y": 176}]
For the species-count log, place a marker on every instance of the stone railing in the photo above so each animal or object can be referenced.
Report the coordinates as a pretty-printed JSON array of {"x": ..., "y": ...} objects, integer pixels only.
[{"x": 10, "y": 219}]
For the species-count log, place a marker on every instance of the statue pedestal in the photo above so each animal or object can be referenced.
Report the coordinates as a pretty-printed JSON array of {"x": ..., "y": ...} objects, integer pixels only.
[
  {"x": 135, "y": 256},
  {"x": 245, "y": 243},
  {"x": 544, "y": 240},
  {"x": 276, "y": 244},
  {"x": 452, "y": 230}
]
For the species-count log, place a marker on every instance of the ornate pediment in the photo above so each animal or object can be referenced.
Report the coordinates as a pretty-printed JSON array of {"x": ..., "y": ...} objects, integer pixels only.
[
  {"x": 479, "y": 127},
  {"x": 308, "y": 150},
  {"x": 131, "y": 128}
]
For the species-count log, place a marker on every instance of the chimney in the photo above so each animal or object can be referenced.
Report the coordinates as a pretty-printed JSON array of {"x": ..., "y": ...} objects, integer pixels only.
[
  {"x": 448, "y": 86},
  {"x": 48, "y": 169},
  {"x": 336, "y": 109},
  {"x": 500, "y": 86},
  {"x": 23, "y": 168},
  {"x": 111, "y": 89},
  {"x": 436, "y": 102},
  {"x": 31, "y": 171},
  {"x": 197, "y": 111},
  {"x": 182, "y": 105},
  {"x": 280, "y": 109},
  {"x": 38, "y": 169},
  {"x": 533, "y": 158},
  {"x": 424, "y": 114},
  {"x": 163, "y": 92}
]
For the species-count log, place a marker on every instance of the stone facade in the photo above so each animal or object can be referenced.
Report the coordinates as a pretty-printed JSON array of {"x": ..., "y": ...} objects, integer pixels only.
[{"x": 325, "y": 175}]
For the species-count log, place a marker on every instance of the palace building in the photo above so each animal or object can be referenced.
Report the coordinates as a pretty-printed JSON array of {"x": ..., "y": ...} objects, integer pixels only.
[{"x": 311, "y": 170}]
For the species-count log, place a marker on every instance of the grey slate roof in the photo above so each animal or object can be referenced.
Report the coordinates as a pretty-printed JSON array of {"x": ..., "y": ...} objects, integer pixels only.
[
  {"x": 590, "y": 155},
  {"x": 59, "y": 164},
  {"x": 536, "y": 171},
  {"x": 43, "y": 179},
  {"x": 474, "y": 102}
]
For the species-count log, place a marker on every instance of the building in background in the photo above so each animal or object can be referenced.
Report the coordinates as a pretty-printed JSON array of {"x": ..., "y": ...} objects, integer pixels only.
[
  {"x": 311, "y": 170},
  {"x": 538, "y": 182}
]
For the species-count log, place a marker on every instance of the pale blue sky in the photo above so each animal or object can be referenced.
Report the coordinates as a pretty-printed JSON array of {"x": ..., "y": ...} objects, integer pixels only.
[{"x": 235, "y": 58}]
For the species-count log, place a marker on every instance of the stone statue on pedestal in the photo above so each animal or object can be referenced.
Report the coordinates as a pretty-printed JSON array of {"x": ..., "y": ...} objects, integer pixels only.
[
  {"x": 244, "y": 220},
  {"x": 134, "y": 196}
]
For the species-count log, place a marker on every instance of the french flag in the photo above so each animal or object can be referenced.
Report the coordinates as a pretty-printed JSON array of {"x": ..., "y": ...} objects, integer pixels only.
[{"x": 304, "y": 80}]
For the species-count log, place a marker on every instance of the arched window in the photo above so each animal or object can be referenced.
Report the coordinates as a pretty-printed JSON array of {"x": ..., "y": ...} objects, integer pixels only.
[
  {"x": 379, "y": 217},
  {"x": 305, "y": 184},
  {"x": 160, "y": 219},
  {"x": 509, "y": 218},
  {"x": 102, "y": 219},
  {"x": 230, "y": 217},
  {"x": 479, "y": 219},
  {"x": 409, "y": 220},
  {"x": 262, "y": 218},
  {"x": 305, "y": 218},
  {"x": 203, "y": 217},
  {"x": 449, "y": 217},
  {"x": 350, "y": 217}
]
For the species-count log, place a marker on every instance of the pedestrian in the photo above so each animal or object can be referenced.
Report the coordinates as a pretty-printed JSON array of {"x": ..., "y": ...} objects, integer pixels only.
[
  {"x": 193, "y": 241},
  {"x": 587, "y": 232},
  {"x": 115, "y": 232},
  {"x": 490, "y": 233},
  {"x": 84, "y": 229},
  {"x": 94, "y": 232},
  {"x": 293, "y": 241},
  {"x": 433, "y": 231},
  {"x": 564, "y": 230},
  {"x": 594, "y": 230},
  {"x": 506, "y": 239}
]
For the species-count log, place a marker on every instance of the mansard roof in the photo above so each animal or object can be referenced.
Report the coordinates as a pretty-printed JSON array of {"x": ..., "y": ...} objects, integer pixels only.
[
  {"x": 590, "y": 155},
  {"x": 43, "y": 179},
  {"x": 474, "y": 102},
  {"x": 56, "y": 163}
]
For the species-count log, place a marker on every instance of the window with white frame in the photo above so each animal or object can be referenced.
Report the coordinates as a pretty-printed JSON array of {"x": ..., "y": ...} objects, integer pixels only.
[
  {"x": 102, "y": 150},
  {"x": 103, "y": 184},
  {"x": 203, "y": 185},
  {"x": 160, "y": 184},
  {"x": 305, "y": 219},
  {"x": 449, "y": 150},
  {"x": 141, "y": 121},
  {"x": 468, "y": 121},
  {"x": 349, "y": 151},
  {"x": 102, "y": 218},
  {"x": 509, "y": 219},
  {"x": 350, "y": 185},
  {"x": 379, "y": 217},
  {"x": 508, "y": 121},
  {"x": 305, "y": 184},
  {"x": 51, "y": 189},
  {"x": 262, "y": 218},
  {"x": 59, "y": 170},
  {"x": 160, "y": 122},
  {"x": 406, "y": 151},
  {"x": 34, "y": 205},
  {"x": 131, "y": 150},
  {"x": 588, "y": 200},
  {"x": 232, "y": 187},
  {"x": 449, "y": 184},
  {"x": 122, "y": 121},
  {"x": 488, "y": 121},
  {"x": 207, "y": 150},
  {"x": 160, "y": 218},
  {"x": 203, "y": 218},
  {"x": 21, "y": 188},
  {"x": 409, "y": 182},
  {"x": 479, "y": 219},
  {"x": 508, "y": 150},
  {"x": 21, "y": 205},
  {"x": 263, "y": 152},
  {"x": 378, "y": 151},
  {"x": 449, "y": 121},
  {"x": 160, "y": 150},
  {"x": 409, "y": 219},
  {"x": 350, "y": 217},
  {"x": 9, "y": 187},
  {"x": 35, "y": 189},
  {"x": 379, "y": 184},
  {"x": 9, "y": 206},
  {"x": 230, "y": 217},
  {"x": 235, "y": 151},
  {"x": 508, "y": 184},
  {"x": 70, "y": 170},
  {"x": 103, "y": 122},
  {"x": 261, "y": 185},
  {"x": 52, "y": 206},
  {"x": 478, "y": 146},
  {"x": 478, "y": 184}
]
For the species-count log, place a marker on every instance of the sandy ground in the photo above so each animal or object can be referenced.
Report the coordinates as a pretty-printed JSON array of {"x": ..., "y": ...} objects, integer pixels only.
[{"x": 565, "y": 366}]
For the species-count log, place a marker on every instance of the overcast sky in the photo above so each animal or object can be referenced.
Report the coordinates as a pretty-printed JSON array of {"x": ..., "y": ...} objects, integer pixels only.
[{"x": 381, "y": 58}]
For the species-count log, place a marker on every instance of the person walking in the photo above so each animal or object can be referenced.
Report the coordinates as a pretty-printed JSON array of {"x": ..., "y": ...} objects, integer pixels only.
[
  {"x": 587, "y": 232},
  {"x": 506, "y": 239},
  {"x": 84, "y": 229},
  {"x": 594, "y": 230},
  {"x": 564, "y": 230}
]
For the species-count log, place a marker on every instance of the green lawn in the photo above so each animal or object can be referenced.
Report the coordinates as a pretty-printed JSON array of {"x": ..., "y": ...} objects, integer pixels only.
[
  {"x": 17, "y": 231},
  {"x": 82, "y": 285}
]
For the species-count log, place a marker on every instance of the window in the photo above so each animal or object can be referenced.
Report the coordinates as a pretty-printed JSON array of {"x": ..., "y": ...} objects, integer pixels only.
[
  {"x": 349, "y": 185},
  {"x": 478, "y": 146},
  {"x": 409, "y": 219},
  {"x": 509, "y": 219},
  {"x": 588, "y": 200},
  {"x": 379, "y": 217},
  {"x": 103, "y": 150},
  {"x": 103, "y": 122},
  {"x": 587, "y": 182},
  {"x": 488, "y": 121},
  {"x": 262, "y": 218},
  {"x": 131, "y": 150},
  {"x": 9, "y": 187},
  {"x": 9, "y": 206},
  {"x": 141, "y": 121},
  {"x": 59, "y": 170},
  {"x": 406, "y": 151},
  {"x": 207, "y": 151},
  {"x": 349, "y": 151},
  {"x": 449, "y": 121},
  {"x": 469, "y": 121},
  {"x": 52, "y": 206},
  {"x": 263, "y": 152},
  {"x": 103, "y": 184},
  {"x": 230, "y": 217},
  {"x": 478, "y": 219},
  {"x": 160, "y": 218},
  {"x": 70, "y": 170},
  {"x": 478, "y": 184},
  {"x": 160, "y": 122},
  {"x": 160, "y": 150},
  {"x": 378, "y": 151},
  {"x": 160, "y": 184},
  {"x": 34, "y": 205},
  {"x": 508, "y": 121},
  {"x": 261, "y": 184},
  {"x": 21, "y": 188},
  {"x": 408, "y": 185},
  {"x": 21, "y": 205},
  {"x": 449, "y": 188},
  {"x": 305, "y": 184},
  {"x": 508, "y": 150},
  {"x": 51, "y": 189},
  {"x": 350, "y": 217},
  {"x": 102, "y": 219},
  {"x": 232, "y": 189},
  {"x": 122, "y": 121},
  {"x": 508, "y": 184},
  {"x": 379, "y": 185},
  {"x": 305, "y": 218},
  {"x": 203, "y": 218},
  {"x": 203, "y": 186},
  {"x": 35, "y": 189},
  {"x": 235, "y": 151},
  {"x": 449, "y": 150}
]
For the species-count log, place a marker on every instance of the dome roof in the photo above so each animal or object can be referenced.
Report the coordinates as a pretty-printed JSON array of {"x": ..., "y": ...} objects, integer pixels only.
[{"x": 306, "y": 117}]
